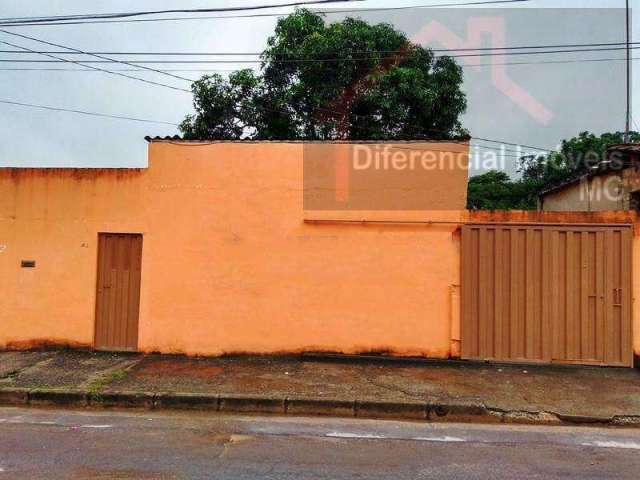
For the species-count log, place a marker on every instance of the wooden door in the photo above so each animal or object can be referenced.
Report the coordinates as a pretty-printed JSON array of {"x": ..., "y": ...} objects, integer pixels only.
[
  {"x": 547, "y": 294},
  {"x": 118, "y": 291}
]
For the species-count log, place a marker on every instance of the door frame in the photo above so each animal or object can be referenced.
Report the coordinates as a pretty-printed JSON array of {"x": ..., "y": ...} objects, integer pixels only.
[{"x": 97, "y": 286}]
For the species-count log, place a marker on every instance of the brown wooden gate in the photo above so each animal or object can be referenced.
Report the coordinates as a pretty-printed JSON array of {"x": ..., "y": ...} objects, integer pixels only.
[
  {"x": 118, "y": 291},
  {"x": 547, "y": 294}
]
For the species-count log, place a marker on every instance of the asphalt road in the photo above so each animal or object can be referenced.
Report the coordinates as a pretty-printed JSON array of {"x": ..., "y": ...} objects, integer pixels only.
[{"x": 55, "y": 444}]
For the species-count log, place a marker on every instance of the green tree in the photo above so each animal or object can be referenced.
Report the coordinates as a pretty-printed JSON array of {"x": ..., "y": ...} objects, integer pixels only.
[
  {"x": 576, "y": 157},
  {"x": 344, "y": 80},
  {"x": 495, "y": 190}
]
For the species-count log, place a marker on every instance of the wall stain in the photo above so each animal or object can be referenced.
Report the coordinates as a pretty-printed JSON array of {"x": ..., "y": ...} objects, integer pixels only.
[
  {"x": 44, "y": 344},
  {"x": 19, "y": 174},
  {"x": 532, "y": 216}
]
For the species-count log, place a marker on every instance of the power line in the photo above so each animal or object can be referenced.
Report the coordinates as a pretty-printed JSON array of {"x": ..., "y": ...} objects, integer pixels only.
[
  {"x": 470, "y": 153},
  {"x": 521, "y": 151},
  {"x": 503, "y": 150},
  {"x": 277, "y": 111},
  {"x": 477, "y": 138},
  {"x": 36, "y": 69},
  {"x": 312, "y": 60},
  {"x": 44, "y": 42},
  {"x": 91, "y": 16},
  {"x": 256, "y": 54},
  {"x": 84, "y": 64},
  {"x": 543, "y": 62},
  {"x": 547, "y": 62},
  {"x": 491, "y": 140},
  {"x": 143, "y": 120},
  {"x": 111, "y": 60},
  {"x": 84, "y": 112},
  {"x": 75, "y": 21}
]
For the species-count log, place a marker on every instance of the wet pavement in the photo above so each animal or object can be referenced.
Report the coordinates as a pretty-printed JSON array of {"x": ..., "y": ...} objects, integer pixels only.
[
  {"x": 588, "y": 391},
  {"x": 63, "y": 444}
]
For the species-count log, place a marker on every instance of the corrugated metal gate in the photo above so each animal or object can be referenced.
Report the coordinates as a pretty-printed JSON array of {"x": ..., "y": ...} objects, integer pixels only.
[
  {"x": 533, "y": 293},
  {"x": 118, "y": 291}
]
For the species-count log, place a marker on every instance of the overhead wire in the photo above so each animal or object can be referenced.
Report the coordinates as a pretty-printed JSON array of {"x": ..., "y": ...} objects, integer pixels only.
[
  {"x": 85, "y": 112},
  {"x": 144, "y": 120},
  {"x": 78, "y": 51},
  {"x": 42, "y": 21},
  {"x": 314, "y": 60},
  {"x": 544, "y": 62},
  {"x": 84, "y": 64},
  {"x": 91, "y": 16},
  {"x": 108, "y": 60},
  {"x": 285, "y": 54}
]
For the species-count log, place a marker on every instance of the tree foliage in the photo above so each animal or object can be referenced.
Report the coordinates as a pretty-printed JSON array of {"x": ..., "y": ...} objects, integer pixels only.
[
  {"x": 494, "y": 190},
  {"x": 344, "y": 80},
  {"x": 576, "y": 157}
]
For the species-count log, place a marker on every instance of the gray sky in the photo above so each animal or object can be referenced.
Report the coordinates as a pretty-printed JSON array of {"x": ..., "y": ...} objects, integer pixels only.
[{"x": 577, "y": 96}]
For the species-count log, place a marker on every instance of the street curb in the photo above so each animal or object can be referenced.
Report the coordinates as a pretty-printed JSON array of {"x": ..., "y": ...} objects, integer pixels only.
[
  {"x": 392, "y": 410},
  {"x": 121, "y": 400},
  {"x": 18, "y": 396},
  {"x": 188, "y": 401},
  {"x": 325, "y": 407},
  {"x": 46, "y": 397},
  {"x": 464, "y": 412}
]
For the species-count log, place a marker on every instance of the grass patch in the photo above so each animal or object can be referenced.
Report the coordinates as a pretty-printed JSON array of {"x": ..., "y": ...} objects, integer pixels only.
[{"x": 97, "y": 385}]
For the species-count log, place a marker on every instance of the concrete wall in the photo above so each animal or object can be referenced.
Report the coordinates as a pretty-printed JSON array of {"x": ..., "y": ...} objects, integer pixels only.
[
  {"x": 233, "y": 263},
  {"x": 229, "y": 262},
  {"x": 603, "y": 192}
]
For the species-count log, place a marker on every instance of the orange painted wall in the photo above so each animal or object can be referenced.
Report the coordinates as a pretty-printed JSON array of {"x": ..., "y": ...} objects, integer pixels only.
[
  {"x": 229, "y": 262},
  {"x": 233, "y": 263}
]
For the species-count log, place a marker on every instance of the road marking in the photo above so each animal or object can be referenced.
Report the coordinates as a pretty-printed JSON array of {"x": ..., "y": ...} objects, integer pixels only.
[
  {"x": 612, "y": 444},
  {"x": 439, "y": 439},
  {"x": 353, "y": 435},
  {"x": 96, "y": 426},
  {"x": 28, "y": 422},
  {"x": 370, "y": 436}
]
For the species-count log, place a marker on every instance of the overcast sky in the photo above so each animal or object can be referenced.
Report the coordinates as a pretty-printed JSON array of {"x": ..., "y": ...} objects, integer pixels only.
[{"x": 569, "y": 97}]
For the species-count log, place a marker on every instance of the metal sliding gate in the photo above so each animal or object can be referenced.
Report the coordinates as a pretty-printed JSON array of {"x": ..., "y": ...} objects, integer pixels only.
[{"x": 547, "y": 294}]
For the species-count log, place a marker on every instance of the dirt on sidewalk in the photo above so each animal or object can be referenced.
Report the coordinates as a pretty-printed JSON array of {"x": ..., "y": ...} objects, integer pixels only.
[{"x": 575, "y": 391}]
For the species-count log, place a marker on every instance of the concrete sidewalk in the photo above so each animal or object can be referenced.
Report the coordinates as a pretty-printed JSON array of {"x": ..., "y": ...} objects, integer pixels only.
[{"x": 437, "y": 391}]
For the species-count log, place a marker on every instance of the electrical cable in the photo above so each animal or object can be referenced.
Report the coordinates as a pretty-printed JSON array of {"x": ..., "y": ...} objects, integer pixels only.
[
  {"x": 90, "y": 54},
  {"x": 314, "y": 60},
  {"x": 92, "y": 19},
  {"x": 91, "y": 16},
  {"x": 257, "y": 54},
  {"x": 84, "y": 112},
  {"x": 83, "y": 64},
  {"x": 544, "y": 62}
]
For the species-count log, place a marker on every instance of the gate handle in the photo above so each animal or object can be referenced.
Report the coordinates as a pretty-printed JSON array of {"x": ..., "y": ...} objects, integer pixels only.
[{"x": 617, "y": 296}]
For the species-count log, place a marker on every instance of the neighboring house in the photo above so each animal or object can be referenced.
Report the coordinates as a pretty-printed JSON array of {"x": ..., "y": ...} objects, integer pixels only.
[{"x": 612, "y": 185}]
